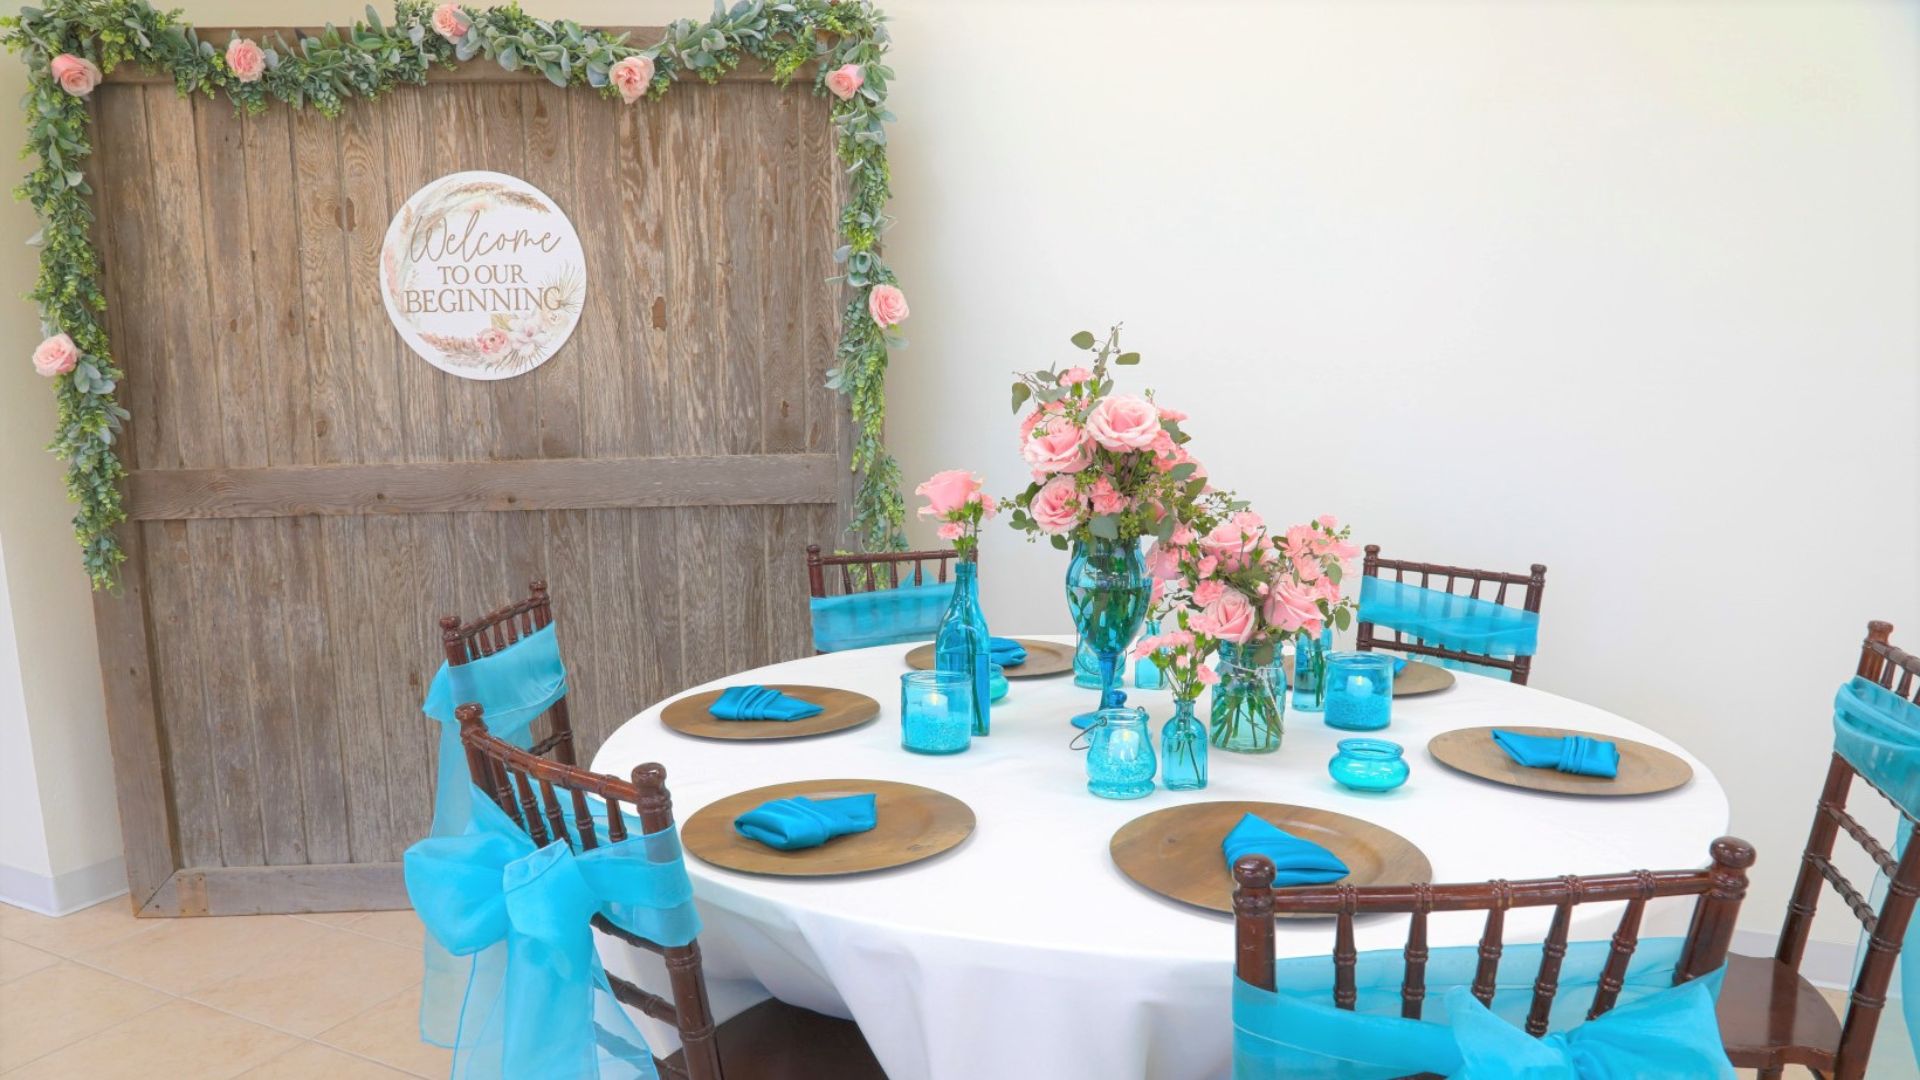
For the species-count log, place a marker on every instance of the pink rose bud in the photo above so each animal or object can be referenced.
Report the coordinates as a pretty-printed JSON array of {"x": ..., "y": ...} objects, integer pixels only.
[
  {"x": 631, "y": 77},
  {"x": 887, "y": 304},
  {"x": 76, "y": 75},
  {"x": 450, "y": 22},
  {"x": 845, "y": 81},
  {"x": 1074, "y": 376},
  {"x": 245, "y": 60},
  {"x": 56, "y": 356}
]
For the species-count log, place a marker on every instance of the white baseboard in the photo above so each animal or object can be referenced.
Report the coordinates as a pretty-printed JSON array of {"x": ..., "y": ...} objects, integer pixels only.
[
  {"x": 63, "y": 894},
  {"x": 1826, "y": 964}
]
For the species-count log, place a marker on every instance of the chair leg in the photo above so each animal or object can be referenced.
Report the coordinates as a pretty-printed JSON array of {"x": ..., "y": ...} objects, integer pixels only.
[{"x": 1770, "y": 1074}]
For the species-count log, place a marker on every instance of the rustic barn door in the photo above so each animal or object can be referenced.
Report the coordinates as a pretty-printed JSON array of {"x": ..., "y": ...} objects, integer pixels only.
[{"x": 307, "y": 496}]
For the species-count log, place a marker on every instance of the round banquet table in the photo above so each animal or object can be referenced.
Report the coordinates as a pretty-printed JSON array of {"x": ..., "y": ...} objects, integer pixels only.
[{"x": 1025, "y": 953}]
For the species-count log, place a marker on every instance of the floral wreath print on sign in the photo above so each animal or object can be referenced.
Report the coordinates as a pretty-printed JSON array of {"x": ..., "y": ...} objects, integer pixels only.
[{"x": 483, "y": 275}]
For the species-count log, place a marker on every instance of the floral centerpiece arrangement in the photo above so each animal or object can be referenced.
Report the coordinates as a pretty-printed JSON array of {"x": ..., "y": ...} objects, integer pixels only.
[{"x": 962, "y": 643}]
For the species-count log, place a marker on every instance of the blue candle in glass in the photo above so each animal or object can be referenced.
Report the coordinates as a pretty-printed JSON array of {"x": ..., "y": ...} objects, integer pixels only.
[
  {"x": 1368, "y": 765},
  {"x": 1120, "y": 761},
  {"x": 1359, "y": 691},
  {"x": 936, "y": 712}
]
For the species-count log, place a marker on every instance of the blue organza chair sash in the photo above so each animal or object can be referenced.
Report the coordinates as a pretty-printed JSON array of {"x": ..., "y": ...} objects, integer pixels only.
[
  {"x": 1461, "y": 623},
  {"x": 880, "y": 617},
  {"x": 513, "y": 686},
  {"x": 534, "y": 1000},
  {"x": 1655, "y": 1029}
]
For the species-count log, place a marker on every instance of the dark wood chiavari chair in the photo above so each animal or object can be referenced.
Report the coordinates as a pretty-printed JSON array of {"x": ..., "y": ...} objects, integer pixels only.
[
  {"x": 467, "y": 642},
  {"x": 1534, "y": 583},
  {"x": 870, "y": 570},
  {"x": 1720, "y": 888},
  {"x": 1770, "y": 1015},
  {"x": 771, "y": 1040}
]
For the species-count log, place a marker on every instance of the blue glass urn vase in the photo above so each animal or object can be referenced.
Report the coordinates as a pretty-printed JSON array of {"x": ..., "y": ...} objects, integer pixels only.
[
  {"x": 1183, "y": 750},
  {"x": 1107, "y": 591},
  {"x": 961, "y": 644}
]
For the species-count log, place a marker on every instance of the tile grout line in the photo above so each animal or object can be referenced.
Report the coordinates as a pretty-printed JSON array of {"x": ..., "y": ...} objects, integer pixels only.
[{"x": 136, "y": 1014}]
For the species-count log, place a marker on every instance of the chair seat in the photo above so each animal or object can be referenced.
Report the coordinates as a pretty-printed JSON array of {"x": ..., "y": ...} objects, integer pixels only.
[
  {"x": 1770, "y": 1016},
  {"x": 777, "y": 1041}
]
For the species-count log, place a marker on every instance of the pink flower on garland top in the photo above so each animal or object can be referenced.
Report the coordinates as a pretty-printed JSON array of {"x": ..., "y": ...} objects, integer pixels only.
[
  {"x": 1123, "y": 422},
  {"x": 887, "y": 304},
  {"x": 76, "y": 74},
  {"x": 245, "y": 60},
  {"x": 631, "y": 77},
  {"x": 450, "y": 22},
  {"x": 491, "y": 340},
  {"x": 55, "y": 356},
  {"x": 845, "y": 81},
  {"x": 955, "y": 499}
]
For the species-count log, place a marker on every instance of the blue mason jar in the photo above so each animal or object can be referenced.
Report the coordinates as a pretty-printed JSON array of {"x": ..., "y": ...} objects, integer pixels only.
[
  {"x": 1359, "y": 691},
  {"x": 1368, "y": 765},
  {"x": 1120, "y": 763},
  {"x": 961, "y": 645},
  {"x": 936, "y": 712},
  {"x": 1310, "y": 671}
]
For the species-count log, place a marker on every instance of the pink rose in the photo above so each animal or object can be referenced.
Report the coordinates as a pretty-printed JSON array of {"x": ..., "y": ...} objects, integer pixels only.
[
  {"x": 1327, "y": 589},
  {"x": 1124, "y": 422},
  {"x": 947, "y": 491},
  {"x": 1163, "y": 562},
  {"x": 1057, "y": 448},
  {"x": 845, "y": 81},
  {"x": 55, "y": 356},
  {"x": 1292, "y": 607},
  {"x": 1183, "y": 534},
  {"x": 1229, "y": 618},
  {"x": 1208, "y": 591},
  {"x": 245, "y": 60},
  {"x": 1033, "y": 418},
  {"x": 631, "y": 77},
  {"x": 491, "y": 340},
  {"x": 1074, "y": 376},
  {"x": 75, "y": 74},
  {"x": 450, "y": 22},
  {"x": 952, "y": 530},
  {"x": 887, "y": 304},
  {"x": 1105, "y": 499},
  {"x": 1229, "y": 544},
  {"x": 1056, "y": 506}
]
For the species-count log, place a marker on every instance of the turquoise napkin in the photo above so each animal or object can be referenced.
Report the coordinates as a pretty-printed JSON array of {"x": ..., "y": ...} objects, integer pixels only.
[
  {"x": 1007, "y": 652},
  {"x": 760, "y": 703},
  {"x": 1569, "y": 754},
  {"x": 800, "y": 822},
  {"x": 1296, "y": 861}
]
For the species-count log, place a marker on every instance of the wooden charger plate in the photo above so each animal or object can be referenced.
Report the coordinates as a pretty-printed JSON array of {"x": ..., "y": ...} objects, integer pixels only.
[
  {"x": 1418, "y": 678},
  {"x": 1043, "y": 658},
  {"x": 1644, "y": 770},
  {"x": 914, "y": 823},
  {"x": 1176, "y": 852},
  {"x": 840, "y": 710}
]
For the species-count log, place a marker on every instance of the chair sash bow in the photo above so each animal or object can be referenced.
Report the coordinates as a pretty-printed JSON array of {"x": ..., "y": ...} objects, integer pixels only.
[{"x": 1671, "y": 1033}]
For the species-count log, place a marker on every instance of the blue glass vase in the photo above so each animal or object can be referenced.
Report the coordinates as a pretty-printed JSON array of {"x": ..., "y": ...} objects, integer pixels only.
[
  {"x": 1120, "y": 760},
  {"x": 1107, "y": 591},
  {"x": 1146, "y": 673},
  {"x": 1249, "y": 703},
  {"x": 961, "y": 644},
  {"x": 1368, "y": 765},
  {"x": 1086, "y": 665},
  {"x": 1183, "y": 750},
  {"x": 1310, "y": 671}
]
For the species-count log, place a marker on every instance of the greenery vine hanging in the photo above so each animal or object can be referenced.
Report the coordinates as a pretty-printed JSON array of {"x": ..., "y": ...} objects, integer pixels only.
[{"x": 69, "y": 44}]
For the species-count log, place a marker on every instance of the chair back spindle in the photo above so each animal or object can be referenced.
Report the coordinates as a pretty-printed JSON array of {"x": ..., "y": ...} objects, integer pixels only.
[
  {"x": 465, "y": 642},
  {"x": 870, "y": 571}
]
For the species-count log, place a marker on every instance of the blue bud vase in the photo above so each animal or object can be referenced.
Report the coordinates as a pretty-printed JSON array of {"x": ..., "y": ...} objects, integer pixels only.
[
  {"x": 1183, "y": 750},
  {"x": 1310, "y": 671},
  {"x": 961, "y": 644},
  {"x": 1146, "y": 673}
]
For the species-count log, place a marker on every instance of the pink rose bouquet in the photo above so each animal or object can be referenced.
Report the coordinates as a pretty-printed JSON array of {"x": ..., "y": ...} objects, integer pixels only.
[
  {"x": 955, "y": 499},
  {"x": 1105, "y": 464}
]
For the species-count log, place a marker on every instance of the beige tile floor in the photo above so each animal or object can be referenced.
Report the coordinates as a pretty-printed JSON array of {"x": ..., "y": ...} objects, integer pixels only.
[{"x": 100, "y": 994}]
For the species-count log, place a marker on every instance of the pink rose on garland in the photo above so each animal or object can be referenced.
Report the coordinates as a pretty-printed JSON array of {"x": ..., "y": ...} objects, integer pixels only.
[
  {"x": 845, "y": 81},
  {"x": 1057, "y": 448},
  {"x": 887, "y": 304},
  {"x": 1056, "y": 506},
  {"x": 1230, "y": 618},
  {"x": 631, "y": 77},
  {"x": 450, "y": 22},
  {"x": 76, "y": 74},
  {"x": 491, "y": 340},
  {"x": 245, "y": 60},
  {"x": 1124, "y": 422},
  {"x": 948, "y": 491},
  {"x": 56, "y": 356}
]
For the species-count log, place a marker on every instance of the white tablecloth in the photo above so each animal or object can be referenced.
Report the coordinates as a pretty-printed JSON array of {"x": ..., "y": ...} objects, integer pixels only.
[{"x": 1025, "y": 953}]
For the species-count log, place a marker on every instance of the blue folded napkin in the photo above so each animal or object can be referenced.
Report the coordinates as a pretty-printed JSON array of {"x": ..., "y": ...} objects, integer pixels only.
[
  {"x": 1007, "y": 652},
  {"x": 1569, "y": 754},
  {"x": 1296, "y": 861},
  {"x": 800, "y": 822},
  {"x": 760, "y": 703}
]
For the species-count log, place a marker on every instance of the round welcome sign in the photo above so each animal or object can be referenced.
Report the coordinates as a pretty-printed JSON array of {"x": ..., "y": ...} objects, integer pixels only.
[{"x": 482, "y": 274}]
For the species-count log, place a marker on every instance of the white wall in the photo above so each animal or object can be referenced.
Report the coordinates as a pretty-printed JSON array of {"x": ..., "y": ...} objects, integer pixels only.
[{"x": 1628, "y": 289}]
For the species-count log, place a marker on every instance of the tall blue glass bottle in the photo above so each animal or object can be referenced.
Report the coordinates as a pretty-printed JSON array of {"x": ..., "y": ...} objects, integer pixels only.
[{"x": 961, "y": 645}]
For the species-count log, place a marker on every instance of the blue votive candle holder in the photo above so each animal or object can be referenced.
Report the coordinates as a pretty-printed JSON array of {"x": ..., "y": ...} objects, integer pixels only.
[
  {"x": 936, "y": 712},
  {"x": 1368, "y": 765},
  {"x": 1120, "y": 761},
  {"x": 1359, "y": 691}
]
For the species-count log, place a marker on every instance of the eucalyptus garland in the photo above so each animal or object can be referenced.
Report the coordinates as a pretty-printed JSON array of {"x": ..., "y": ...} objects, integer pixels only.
[{"x": 69, "y": 44}]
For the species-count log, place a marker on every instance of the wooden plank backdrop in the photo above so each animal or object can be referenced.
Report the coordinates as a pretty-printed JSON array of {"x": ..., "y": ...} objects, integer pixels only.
[{"x": 307, "y": 496}]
